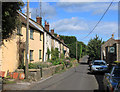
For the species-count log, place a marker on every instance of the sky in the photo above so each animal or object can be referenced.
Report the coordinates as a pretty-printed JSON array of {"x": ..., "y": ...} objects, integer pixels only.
[{"x": 78, "y": 18}]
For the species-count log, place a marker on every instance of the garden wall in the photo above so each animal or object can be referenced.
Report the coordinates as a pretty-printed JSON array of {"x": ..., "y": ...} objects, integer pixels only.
[{"x": 37, "y": 74}]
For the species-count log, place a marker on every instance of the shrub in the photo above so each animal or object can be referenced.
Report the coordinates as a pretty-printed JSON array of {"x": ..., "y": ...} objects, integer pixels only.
[
  {"x": 68, "y": 58},
  {"x": 42, "y": 64}
]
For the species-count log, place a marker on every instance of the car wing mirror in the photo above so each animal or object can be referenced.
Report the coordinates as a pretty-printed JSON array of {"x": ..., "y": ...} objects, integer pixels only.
[
  {"x": 107, "y": 74},
  {"x": 112, "y": 75}
]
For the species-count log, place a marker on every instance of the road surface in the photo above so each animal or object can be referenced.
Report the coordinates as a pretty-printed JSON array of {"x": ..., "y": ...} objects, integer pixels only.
[{"x": 78, "y": 78}]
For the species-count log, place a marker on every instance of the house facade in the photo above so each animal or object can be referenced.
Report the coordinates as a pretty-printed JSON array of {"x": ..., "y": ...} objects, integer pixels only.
[
  {"x": 13, "y": 50},
  {"x": 40, "y": 41},
  {"x": 50, "y": 41},
  {"x": 110, "y": 50}
]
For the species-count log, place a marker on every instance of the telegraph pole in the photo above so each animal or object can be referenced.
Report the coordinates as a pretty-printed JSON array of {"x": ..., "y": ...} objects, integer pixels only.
[
  {"x": 27, "y": 43},
  {"x": 76, "y": 49}
]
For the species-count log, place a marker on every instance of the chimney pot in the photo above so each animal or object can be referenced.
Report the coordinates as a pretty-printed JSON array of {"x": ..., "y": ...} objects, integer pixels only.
[
  {"x": 58, "y": 36},
  {"x": 47, "y": 26},
  {"x": 62, "y": 40},
  {"x": 112, "y": 35},
  {"x": 52, "y": 31},
  {"x": 39, "y": 20}
]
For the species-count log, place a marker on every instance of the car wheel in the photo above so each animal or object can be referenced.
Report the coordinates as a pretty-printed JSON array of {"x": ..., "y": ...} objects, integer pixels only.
[
  {"x": 107, "y": 89},
  {"x": 91, "y": 71},
  {"x": 90, "y": 68}
]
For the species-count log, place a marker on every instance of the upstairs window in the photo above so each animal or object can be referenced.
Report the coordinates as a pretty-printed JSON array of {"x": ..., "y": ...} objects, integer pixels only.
[
  {"x": 19, "y": 27},
  {"x": 31, "y": 33},
  {"x": 40, "y": 37}
]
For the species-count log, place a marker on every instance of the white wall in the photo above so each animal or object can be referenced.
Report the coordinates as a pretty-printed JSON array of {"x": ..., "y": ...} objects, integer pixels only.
[{"x": 47, "y": 44}]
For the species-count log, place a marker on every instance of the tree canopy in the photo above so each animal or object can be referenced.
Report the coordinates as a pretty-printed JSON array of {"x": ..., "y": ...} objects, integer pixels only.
[
  {"x": 71, "y": 42},
  {"x": 94, "y": 48},
  {"x": 10, "y": 18}
]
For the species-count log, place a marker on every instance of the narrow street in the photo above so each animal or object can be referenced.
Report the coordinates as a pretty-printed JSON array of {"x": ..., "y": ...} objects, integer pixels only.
[{"x": 78, "y": 78}]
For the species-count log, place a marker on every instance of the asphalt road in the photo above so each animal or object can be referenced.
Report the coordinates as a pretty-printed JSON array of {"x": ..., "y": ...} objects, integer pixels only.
[{"x": 78, "y": 78}]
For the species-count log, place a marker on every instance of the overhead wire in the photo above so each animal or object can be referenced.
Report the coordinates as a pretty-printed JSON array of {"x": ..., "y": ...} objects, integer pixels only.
[{"x": 99, "y": 20}]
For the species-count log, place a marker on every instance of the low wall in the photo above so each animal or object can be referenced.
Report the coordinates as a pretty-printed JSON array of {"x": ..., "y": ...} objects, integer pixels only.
[{"x": 37, "y": 74}]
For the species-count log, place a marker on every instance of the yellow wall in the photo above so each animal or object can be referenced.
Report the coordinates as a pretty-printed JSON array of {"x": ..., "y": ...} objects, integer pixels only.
[
  {"x": 34, "y": 44},
  {"x": 10, "y": 55}
]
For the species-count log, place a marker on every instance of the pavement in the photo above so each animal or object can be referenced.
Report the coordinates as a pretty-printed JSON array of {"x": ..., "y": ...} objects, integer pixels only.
[{"x": 78, "y": 78}]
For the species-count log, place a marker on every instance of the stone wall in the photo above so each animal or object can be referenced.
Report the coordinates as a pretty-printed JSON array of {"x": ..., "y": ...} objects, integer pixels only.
[{"x": 36, "y": 74}]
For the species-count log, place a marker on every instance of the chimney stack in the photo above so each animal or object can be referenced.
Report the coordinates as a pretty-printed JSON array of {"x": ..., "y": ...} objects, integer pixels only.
[
  {"x": 58, "y": 36},
  {"x": 62, "y": 40},
  {"x": 47, "y": 26},
  {"x": 39, "y": 20},
  {"x": 52, "y": 31},
  {"x": 112, "y": 35}
]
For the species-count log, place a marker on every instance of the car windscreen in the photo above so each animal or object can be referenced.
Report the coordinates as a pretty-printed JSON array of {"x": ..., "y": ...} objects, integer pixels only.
[
  {"x": 98, "y": 63},
  {"x": 116, "y": 72}
]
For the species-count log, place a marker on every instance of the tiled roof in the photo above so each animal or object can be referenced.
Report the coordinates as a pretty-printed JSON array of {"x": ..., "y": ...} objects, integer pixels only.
[
  {"x": 31, "y": 23},
  {"x": 118, "y": 41}
]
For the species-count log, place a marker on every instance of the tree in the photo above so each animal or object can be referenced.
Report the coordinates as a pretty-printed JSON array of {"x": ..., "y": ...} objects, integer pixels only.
[
  {"x": 94, "y": 48},
  {"x": 70, "y": 41},
  {"x": 10, "y": 18},
  {"x": 80, "y": 50}
]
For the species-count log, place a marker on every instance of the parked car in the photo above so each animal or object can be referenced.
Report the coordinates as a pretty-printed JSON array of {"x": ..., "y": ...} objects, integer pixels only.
[
  {"x": 111, "y": 79},
  {"x": 98, "y": 66},
  {"x": 117, "y": 87}
]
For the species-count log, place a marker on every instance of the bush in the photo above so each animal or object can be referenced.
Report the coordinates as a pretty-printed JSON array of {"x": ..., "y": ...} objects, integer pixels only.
[
  {"x": 68, "y": 63},
  {"x": 42, "y": 64},
  {"x": 57, "y": 61},
  {"x": 68, "y": 58}
]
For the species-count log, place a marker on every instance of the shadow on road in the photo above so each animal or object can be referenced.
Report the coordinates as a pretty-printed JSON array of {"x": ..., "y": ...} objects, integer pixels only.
[{"x": 99, "y": 78}]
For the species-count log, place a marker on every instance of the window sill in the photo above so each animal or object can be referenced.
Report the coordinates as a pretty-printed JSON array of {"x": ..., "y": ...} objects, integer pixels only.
[
  {"x": 19, "y": 34},
  {"x": 31, "y": 60},
  {"x": 31, "y": 38}
]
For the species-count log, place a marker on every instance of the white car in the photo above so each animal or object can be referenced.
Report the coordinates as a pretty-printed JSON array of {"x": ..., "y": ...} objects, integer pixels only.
[{"x": 98, "y": 66}]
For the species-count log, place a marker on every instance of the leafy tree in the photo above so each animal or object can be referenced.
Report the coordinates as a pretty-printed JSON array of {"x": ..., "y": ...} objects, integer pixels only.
[
  {"x": 94, "y": 48},
  {"x": 10, "y": 18},
  {"x": 71, "y": 43}
]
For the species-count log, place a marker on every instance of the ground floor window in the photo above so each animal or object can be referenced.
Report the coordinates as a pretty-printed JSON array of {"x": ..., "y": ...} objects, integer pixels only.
[
  {"x": 31, "y": 55},
  {"x": 40, "y": 54}
]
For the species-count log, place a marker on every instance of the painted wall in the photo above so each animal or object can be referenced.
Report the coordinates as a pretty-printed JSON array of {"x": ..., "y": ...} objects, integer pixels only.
[
  {"x": 47, "y": 44},
  {"x": 10, "y": 49}
]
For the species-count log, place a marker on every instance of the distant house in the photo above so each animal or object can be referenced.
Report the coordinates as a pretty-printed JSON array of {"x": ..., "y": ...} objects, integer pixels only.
[
  {"x": 50, "y": 41},
  {"x": 110, "y": 50},
  {"x": 13, "y": 50}
]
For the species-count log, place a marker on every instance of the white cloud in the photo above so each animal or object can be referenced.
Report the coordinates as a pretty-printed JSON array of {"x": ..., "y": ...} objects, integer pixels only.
[
  {"x": 48, "y": 11},
  {"x": 96, "y": 8},
  {"x": 71, "y": 26},
  {"x": 80, "y": 28}
]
